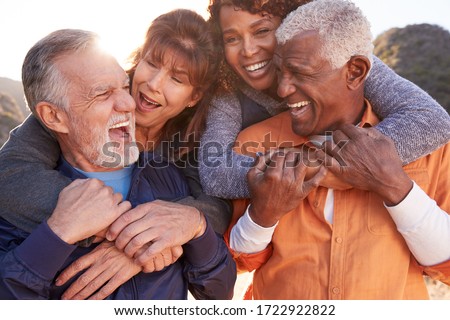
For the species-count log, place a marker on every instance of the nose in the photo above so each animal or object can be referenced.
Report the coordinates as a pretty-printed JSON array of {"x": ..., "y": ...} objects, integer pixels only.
[
  {"x": 124, "y": 102},
  {"x": 154, "y": 81},
  {"x": 249, "y": 47},
  {"x": 285, "y": 86}
]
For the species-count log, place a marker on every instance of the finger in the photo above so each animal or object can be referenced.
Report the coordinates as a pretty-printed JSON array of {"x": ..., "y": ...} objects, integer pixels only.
[
  {"x": 334, "y": 150},
  {"x": 300, "y": 170},
  {"x": 177, "y": 251},
  {"x": 124, "y": 206},
  {"x": 79, "y": 292},
  {"x": 124, "y": 220},
  {"x": 106, "y": 290},
  {"x": 115, "y": 282},
  {"x": 135, "y": 235},
  {"x": 117, "y": 197},
  {"x": 314, "y": 182},
  {"x": 77, "y": 286},
  {"x": 350, "y": 131},
  {"x": 262, "y": 161},
  {"x": 75, "y": 267},
  {"x": 76, "y": 183},
  {"x": 159, "y": 262},
  {"x": 155, "y": 248},
  {"x": 339, "y": 138},
  {"x": 328, "y": 161},
  {"x": 276, "y": 166},
  {"x": 291, "y": 159},
  {"x": 167, "y": 257},
  {"x": 149, "y": 267}
]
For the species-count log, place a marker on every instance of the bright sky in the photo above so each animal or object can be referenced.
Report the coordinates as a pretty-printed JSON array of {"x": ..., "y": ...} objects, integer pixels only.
[{"x": 122, "y": 24}]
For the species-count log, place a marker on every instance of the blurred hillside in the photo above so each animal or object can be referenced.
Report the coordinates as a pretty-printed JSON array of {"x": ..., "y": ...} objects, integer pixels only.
[
  {"x": 15, "y": 90},
  {"x": 12, "y": 106},
  {"x": 421, "y": 54},
  {"x": 10, "y": 116}
]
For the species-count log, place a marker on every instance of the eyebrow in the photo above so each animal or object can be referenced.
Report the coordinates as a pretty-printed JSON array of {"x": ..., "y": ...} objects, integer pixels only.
[
  {"x": 101, "y": 88},
  {"x": 180, "y": 71},
  {"x": 253, "y": 25}
]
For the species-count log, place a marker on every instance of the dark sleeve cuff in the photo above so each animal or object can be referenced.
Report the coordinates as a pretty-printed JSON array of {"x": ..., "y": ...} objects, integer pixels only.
[
  {"x": 199, "y": 252},
  {"x": 43, "y": 252}
]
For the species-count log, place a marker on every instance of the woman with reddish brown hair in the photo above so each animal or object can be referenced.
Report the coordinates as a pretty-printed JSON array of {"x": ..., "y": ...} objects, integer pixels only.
[{"x": 173, "y": 76}]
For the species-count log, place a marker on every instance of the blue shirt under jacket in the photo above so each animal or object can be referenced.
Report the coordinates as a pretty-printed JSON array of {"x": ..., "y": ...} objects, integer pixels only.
[{"x": 29, "y": 263}]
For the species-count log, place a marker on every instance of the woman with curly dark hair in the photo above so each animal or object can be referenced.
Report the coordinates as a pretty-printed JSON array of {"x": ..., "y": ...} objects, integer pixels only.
[{"x": 246, "y": 30}]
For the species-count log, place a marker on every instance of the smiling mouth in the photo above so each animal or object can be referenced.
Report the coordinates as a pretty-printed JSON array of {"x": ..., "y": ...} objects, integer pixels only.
[
  {"x": 120, "y": 130},
  {"x": 148, "y": 102},
  {"x": 299, "y": 107},
  {"x": 256, "y": 66},
  {"x": 299, "y": 104}
]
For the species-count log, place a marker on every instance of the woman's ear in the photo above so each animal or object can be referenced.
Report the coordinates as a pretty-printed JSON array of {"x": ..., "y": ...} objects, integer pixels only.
[
  {"x": 52, "y": 117},
  {"x": 358, "y": 68},
  {"x": 196, "y": 96}
]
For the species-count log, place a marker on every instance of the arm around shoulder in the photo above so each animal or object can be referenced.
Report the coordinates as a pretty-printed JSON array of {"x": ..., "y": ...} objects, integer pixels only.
[
  {"x": 29, "y": 185},
  {"x": 414, "y": 120}
]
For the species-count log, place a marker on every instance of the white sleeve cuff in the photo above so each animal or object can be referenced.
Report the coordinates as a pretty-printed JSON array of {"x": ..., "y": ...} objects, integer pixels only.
[
  {"x": 249, "y": 237},
  {"x": 409, "y": 213},
  {"x": 424, "y": 226}
]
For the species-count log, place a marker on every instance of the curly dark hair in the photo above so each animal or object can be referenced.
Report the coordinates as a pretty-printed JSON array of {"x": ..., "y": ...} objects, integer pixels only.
[{"x": 278, "y": 8}]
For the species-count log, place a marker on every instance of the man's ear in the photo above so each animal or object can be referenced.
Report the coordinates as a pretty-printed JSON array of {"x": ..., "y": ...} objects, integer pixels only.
[
  {"x": 53, "y": 117},
  {"x": 357, "y": 67}
]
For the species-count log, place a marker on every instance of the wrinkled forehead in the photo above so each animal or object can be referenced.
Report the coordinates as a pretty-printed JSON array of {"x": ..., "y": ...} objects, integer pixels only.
[
  {"x": 176, "y": 58},
  {"x": 304, "y": 43}
]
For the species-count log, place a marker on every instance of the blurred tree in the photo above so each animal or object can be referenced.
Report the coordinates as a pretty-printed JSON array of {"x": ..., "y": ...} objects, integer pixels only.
[{"x": 421, "y": 54}]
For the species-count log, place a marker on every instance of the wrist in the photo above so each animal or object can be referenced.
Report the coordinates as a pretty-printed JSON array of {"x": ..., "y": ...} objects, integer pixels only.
[
  {"x": 396, "y": 193},
  {"x": 201, "y": 228},
  {"x": 60, "y": 231},
  {"x": 263, "y": 220}
]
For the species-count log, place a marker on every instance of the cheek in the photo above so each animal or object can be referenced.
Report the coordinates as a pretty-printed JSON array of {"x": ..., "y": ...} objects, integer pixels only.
[{"x": 231, "y": 55}]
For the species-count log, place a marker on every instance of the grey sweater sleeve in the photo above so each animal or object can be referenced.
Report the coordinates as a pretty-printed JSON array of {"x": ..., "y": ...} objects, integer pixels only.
[
  {"x": 29, "y": 185},
  {"x": 217, "y": 210},
  {"x": 223, "y": 173},
  {"x": 415, "y": 121}
]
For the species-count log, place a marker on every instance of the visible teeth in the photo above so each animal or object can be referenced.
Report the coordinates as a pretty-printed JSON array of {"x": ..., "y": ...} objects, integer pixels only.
[
  {"x": 120, "y": 124},
  {"x": 256, "y": 66},
  {"x": 299, "y": 104},
  {"x": 151, "y": 102}
]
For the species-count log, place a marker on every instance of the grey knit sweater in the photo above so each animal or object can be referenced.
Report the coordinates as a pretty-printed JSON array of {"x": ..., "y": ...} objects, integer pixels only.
[{"x": 415, "y": 121}]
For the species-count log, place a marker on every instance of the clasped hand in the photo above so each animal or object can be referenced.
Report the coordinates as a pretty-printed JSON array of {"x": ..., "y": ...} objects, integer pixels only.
[
  {"x": 147, "y": 238},
  {"x": 279, "y": 181}
]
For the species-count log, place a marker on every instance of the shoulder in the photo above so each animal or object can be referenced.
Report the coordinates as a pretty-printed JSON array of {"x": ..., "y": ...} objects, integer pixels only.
[{"x": 226, "y": 101}]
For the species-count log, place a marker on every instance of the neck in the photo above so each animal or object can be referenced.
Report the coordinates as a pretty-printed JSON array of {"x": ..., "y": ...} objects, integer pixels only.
[
  {"x": 79, "y": 161},
  {"x": 355, "y": 114},
  {"x": 147, "y": 138},
  {"x": 272, "y": 92}
]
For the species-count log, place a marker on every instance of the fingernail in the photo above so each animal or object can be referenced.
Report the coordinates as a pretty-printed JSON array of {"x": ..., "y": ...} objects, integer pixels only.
[
  {"x": 108, "y": 236},
  {"x": 58, "y": 282}
]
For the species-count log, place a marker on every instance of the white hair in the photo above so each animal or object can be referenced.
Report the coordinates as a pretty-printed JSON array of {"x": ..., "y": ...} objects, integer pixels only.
[{"x": 342, "y": 27}]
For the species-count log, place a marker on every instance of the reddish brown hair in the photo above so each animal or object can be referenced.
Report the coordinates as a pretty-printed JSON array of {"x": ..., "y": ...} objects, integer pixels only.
[{"x": 187, "y": 36}]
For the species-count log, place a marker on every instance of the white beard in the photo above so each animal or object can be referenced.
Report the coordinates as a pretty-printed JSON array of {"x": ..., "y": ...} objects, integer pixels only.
[{"x": 97, "y": 147}]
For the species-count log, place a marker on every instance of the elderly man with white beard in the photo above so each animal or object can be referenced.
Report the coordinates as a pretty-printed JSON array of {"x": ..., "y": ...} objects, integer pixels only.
[{"x": 81, "y": 95}]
